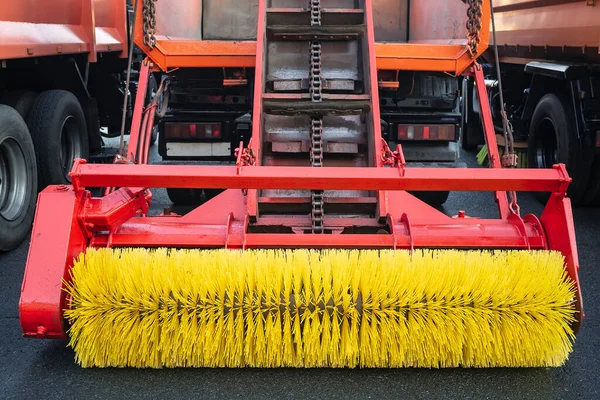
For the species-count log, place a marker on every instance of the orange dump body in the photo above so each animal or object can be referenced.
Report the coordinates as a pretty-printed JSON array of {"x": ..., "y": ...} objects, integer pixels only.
[
  {"x": 417, "y": 35},
  {"x": 30, "y": 28},
  {"x": 529, "y": 30}
]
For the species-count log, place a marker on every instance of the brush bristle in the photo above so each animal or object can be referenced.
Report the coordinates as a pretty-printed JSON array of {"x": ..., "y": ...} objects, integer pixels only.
[{"x": 337, "y": 308}]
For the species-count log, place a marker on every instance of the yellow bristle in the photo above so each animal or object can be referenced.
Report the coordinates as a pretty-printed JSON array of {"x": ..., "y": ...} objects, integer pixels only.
[{"x": 336, "y": 308}]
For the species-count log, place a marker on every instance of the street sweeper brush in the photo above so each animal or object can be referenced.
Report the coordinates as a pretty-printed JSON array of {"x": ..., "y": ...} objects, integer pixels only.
[
  {"x": 337, "y": 308},
  {"x": 315, "y": 255}
]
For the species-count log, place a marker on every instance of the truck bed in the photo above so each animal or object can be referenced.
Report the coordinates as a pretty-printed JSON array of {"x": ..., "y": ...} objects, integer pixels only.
[
  {"x": 30, "y": 28},
  {"x": 566, "y": 29}
]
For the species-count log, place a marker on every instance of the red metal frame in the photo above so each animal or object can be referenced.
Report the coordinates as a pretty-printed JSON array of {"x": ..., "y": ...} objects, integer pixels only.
[
  {"x": 69, "y": 219},
  {"x": 335, "y": 178}
]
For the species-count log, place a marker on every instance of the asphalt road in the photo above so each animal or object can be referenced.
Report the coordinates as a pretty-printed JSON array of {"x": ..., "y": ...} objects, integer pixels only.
[{"x": 34, "y": 369}]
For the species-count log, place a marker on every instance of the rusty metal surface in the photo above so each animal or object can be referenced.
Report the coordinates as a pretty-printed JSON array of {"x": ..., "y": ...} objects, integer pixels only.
[
  {"x": 230, "y": 19},
  {"x": 391, "y": 20},
  {"x": 30, "y": 28},
  {"x": 180, "y": 19},
  {"x": 554, "y": 23},
  {"x": 234, "y": 20},
  {"x": 434, "y": 40},
  {"x": 342, "y": 129},
  {"x": 437, "y": 21}
]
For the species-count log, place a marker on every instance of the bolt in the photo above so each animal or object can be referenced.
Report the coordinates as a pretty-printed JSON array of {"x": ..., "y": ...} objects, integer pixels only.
[
  {"x": 62, "y": 188},
  {"x": 461, "y": 214},
  {"x": 41, "y": 332}
]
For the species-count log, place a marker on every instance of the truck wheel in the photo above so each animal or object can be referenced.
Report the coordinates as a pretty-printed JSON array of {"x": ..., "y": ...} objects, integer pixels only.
[
  {"x": 59, "y": 131},
  {"x": 553, "y": 139},
  {"x": 18, "y": 179},
  {"x": 186, "y": 197},
  {"x": 471, "y": 132},
  {"x": 434, "y": 199},
  {"x": 20, "y": 100}
]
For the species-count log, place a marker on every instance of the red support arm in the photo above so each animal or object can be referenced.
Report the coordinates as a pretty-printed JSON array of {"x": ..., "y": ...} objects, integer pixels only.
[
  {"x": 490, "y": 135},
  {"x": 553, "y": 180}
]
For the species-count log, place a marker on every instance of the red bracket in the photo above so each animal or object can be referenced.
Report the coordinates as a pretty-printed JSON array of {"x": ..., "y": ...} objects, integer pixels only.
[{"x": 564, "y": 179}]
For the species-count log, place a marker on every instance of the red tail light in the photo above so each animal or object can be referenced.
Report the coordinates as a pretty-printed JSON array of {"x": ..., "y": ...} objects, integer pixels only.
[
  {"x": 427, "y": 132},
  {"x": 184, "y": 130}
]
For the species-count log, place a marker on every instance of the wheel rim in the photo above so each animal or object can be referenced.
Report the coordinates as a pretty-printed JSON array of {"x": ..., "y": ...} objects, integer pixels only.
[
  {"x": 70, "y": 145},
  {"x": 546, "y": 144},
  {"x": 14, "y": 179}
]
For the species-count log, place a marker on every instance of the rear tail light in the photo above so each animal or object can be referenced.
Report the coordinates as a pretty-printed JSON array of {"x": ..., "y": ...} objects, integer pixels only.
[
  {"x": 426, "y": 132},
  {"x": 180, "y": 130}
]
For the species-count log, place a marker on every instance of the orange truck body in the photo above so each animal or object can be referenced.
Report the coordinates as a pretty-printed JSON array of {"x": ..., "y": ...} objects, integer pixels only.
[
  {"x": 546, "y": 30},
  {"x": 420, "y": 35},
  {"x": 32, "y": 28}
]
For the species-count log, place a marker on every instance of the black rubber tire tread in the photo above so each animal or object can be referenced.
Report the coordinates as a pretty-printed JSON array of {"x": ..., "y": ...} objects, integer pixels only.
[
  {"x": 45, "y": 124},
  {"x": 185, "y": 197},
  {"x": 592, "y": 194},
  {"x": 471, "y": 133},
  {"x": 434, "y": 199},
  {"x": 21, "y": 100},
  {"x": 92, "y": 118},
  {"x": 210, "y": 194},
  {"x": 12, "y": 233},
  {"x": 570, "y": 152}
]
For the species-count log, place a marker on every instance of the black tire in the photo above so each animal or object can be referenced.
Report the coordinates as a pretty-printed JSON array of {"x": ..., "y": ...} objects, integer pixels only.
[
  {"x": 18, "y": 179},
  {"x": 434, "y": 199},
  {"x": 59, "y": 131},
  {"x": 553, "y": 139},
  {"x": 21, "y": 100},
  {"x": 185, "y": 197},
  {"x": 592, "y": 194},
  {"x": 92, "y": 118},
  {"x": 210, "y": 194},
  {"x": 471, "y": 128}
]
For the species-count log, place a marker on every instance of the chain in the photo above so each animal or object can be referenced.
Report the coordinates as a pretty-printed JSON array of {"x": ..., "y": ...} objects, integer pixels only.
[
  {"x": 149, "y": 14},
  {"x": 247, "y": 157},
  {"x": 474, "y": 25},
  {"x": 389, "y": 157},
  {"x": 514, "y": 206},
  {"x": 315, "y": 12},
  {"x": 316, "y": 132}
]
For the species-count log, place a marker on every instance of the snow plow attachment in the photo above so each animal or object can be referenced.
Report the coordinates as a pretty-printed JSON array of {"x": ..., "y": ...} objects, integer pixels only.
[{"x": 314, "y": 258}]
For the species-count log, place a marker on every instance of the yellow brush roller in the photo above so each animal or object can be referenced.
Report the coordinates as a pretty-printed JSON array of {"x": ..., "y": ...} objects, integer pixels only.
[{"x": 337, "y": 308}]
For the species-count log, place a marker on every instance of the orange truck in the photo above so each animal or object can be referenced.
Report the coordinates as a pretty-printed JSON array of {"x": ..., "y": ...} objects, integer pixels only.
[
  {"x": 62, "y": 64},
  {"x": 209, "y": 49},
  {"x": 550, "y": 61}
]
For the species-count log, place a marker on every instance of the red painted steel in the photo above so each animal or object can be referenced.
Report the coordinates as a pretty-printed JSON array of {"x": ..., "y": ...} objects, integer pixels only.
[
  {"x": 340, "y": 178},
  {"x": 48, "y": 28},
  {"x": 133, "y": 150},
  {"x": 557, "y": 219},
  {"x": 490, "y": 135},
  {"x": 57, "y": 238}
]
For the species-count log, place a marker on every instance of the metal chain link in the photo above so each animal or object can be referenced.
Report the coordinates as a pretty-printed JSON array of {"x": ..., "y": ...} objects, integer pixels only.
[
  {"x": 149, "y": 16},
  {"x": 474, "y": 25},
  {"x": 316, "y": 132}
]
